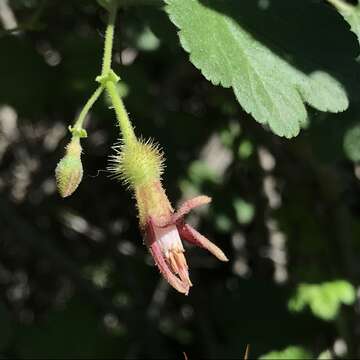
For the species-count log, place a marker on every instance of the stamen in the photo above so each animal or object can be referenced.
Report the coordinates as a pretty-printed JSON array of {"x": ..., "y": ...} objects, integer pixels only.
[
  {"x": 172, "y": 262},
  {"x": 168, "y": 240}
]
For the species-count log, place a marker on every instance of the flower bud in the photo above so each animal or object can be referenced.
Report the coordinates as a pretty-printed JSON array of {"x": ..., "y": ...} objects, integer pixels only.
[{"x": 69, "y": 170}]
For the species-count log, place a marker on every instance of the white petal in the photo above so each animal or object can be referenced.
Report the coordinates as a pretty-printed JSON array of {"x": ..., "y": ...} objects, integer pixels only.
[{"x": 168, "y": 238}]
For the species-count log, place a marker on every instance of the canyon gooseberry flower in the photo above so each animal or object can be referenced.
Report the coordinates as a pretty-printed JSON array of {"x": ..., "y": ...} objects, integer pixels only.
[{"x": 163, "y": 228}]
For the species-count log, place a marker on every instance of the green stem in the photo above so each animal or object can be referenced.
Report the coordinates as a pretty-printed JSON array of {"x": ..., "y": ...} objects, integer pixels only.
[
  {"x": 109, "y": 39},
  {"x": 106, "y": 67},
  {"x": 80, "y": 120},
  {"x": 108, "y": 79},
  {"x": 121, "y": 114}
]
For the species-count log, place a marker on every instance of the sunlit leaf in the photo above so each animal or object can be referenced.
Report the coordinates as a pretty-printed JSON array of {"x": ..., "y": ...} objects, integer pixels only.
[
  {"x": 350, "y": 13},
  {"x": 291, "y": 352},
  {"x": 352, "y": 143},
  {"x": 324, "y": 300},
  {"x": 266, "y": 86},
  {"x": 244, "y": 210}
]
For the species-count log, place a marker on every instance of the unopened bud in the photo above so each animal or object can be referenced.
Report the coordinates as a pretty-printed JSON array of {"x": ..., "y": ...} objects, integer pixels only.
[{"x": 69, "y": 170}]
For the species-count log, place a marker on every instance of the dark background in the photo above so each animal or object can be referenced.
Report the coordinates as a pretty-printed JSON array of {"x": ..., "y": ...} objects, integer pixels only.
[{"x": 75, "y": 278}]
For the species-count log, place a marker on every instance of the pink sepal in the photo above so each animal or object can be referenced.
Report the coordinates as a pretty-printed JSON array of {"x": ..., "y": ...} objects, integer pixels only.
[
  {"x": 160, "y": 262},
  {"x": 192, "y": 236},
  {"x": 188, "y": 205}
]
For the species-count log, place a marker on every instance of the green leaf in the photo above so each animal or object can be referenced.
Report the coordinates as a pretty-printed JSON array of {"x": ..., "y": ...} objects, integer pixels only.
[
  {"x": 291, "y": 352},
  {"x": 325, "y": 355},
  {"x": 323, "y": 299},
  {"x": 246, "y": 149},
  {"x": 244, "y": 210},
  {"x": 352, "y": 143},
  {"x": 350, "y": 13},
  {"x": 265, "y": 85},
  {"x": 104, "y": 3},
  {"x": 199, "y": 172}
]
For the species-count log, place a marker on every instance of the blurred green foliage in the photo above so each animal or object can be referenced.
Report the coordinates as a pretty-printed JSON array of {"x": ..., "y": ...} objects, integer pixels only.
[
  {"x": 352, "y": 143},
  {"x": 325, "y": 299},
  {"x": 291, "y": 352}
]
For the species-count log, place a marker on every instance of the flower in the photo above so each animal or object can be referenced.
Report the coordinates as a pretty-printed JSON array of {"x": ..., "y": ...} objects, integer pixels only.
[
  {"x": 163, "y": 230},
  {"x": 140, "y": 166}
]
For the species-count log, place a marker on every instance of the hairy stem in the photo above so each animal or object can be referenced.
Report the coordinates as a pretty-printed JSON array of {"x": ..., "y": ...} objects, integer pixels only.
[
  {"x": 106, "y": 67},
  {"x": 121, "y": 114},
  {"x": 109, "y": 39},
  {"x": 109, "y": 79},
  {"x": 80, "y": 120}
]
